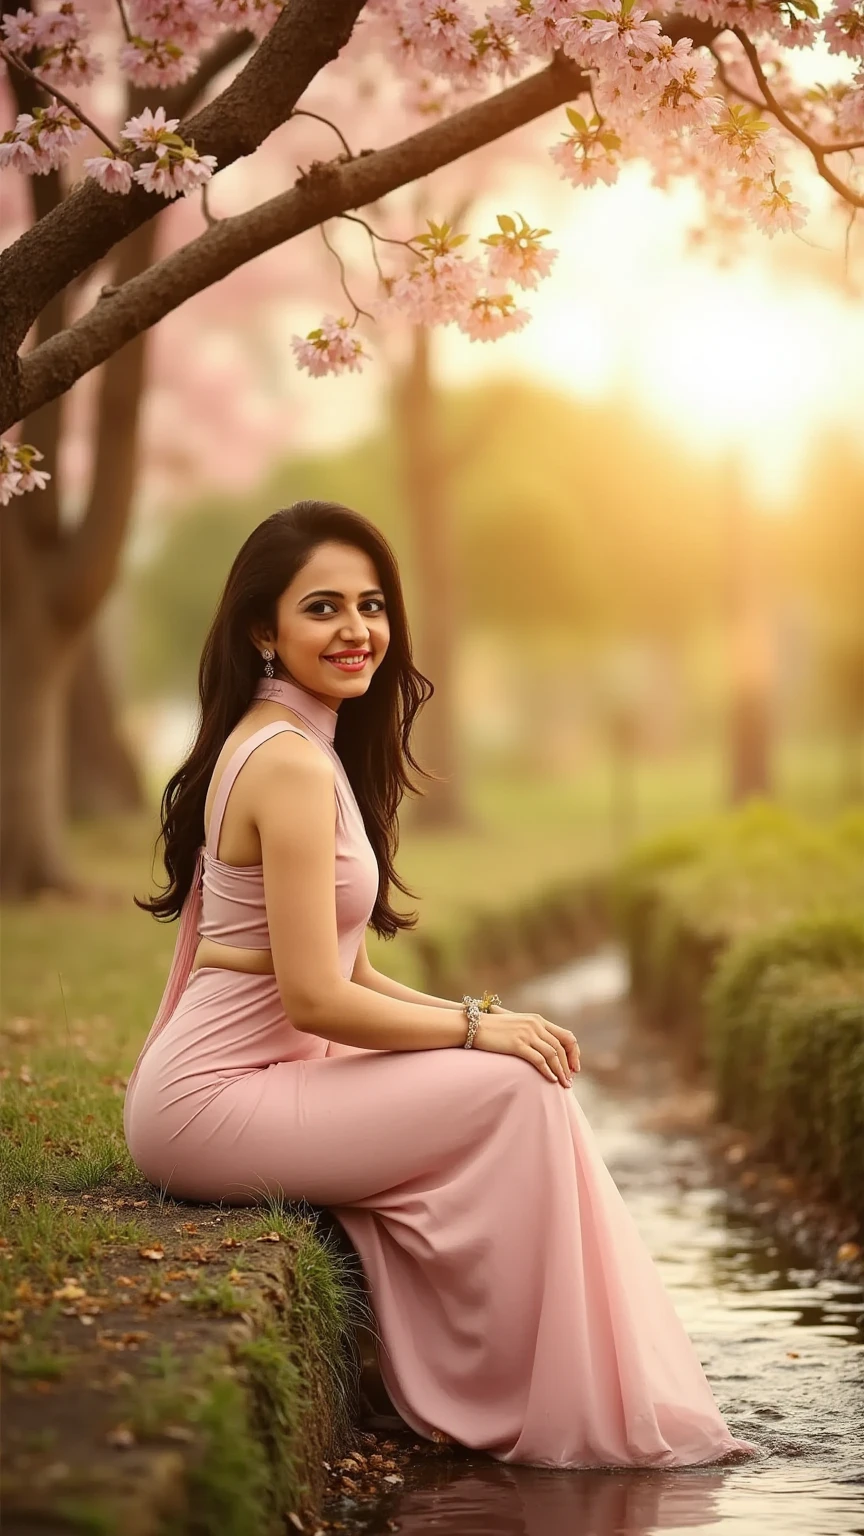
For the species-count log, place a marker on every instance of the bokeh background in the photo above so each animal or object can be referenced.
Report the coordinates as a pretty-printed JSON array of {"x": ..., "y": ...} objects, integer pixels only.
[{"x": 632, "y": 535}]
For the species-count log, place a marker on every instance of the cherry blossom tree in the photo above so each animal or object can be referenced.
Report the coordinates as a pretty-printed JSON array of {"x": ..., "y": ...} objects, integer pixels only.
[{"x": 701, "y": 89}]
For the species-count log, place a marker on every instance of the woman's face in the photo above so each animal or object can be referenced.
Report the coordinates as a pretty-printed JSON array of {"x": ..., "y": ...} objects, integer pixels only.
[{"x": 334, "y": 605}]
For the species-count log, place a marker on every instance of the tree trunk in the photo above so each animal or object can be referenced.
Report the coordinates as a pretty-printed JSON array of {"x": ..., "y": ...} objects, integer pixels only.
[
  {"x": 425, "y": 475},
  {"x": 103, "y": 777},
  {"x": 751, "y": 655},
  {"x": 36, "y": 658},
  {"x": 54, "y": 583}
]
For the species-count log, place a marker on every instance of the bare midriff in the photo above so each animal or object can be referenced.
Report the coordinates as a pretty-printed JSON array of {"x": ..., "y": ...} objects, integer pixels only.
[{"x": 258, "y": 962}]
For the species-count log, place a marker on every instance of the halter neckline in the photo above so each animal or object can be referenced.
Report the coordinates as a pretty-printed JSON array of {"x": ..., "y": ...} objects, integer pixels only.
[{"x": 320, "y": 716}]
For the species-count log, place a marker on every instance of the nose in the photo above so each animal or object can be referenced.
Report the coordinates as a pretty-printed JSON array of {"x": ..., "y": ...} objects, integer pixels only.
[{"x": 356, "y": 634}]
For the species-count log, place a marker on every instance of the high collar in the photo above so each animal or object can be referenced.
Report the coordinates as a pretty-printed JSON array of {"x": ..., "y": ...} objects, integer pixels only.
[{"x": 320, "y": 716}]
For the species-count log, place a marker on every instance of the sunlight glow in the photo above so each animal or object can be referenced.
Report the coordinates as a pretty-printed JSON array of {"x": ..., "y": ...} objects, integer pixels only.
[{"x": 745, "y": 355}]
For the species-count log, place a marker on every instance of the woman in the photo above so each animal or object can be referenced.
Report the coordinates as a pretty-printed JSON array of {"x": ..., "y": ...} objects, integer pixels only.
[{"x": 518, "y": 1309}]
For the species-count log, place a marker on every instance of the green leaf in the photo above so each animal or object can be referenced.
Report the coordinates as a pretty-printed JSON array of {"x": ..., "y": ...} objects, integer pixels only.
[
  {"x": 577, "y": 120},
  {"x": 506, "y": 224}
]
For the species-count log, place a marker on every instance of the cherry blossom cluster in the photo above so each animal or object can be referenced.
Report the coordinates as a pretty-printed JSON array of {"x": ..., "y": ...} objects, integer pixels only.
[
  {"x": 331, "y": 348},
  {"x": 17, "y": 473},
  {"x": 41, "y": 140},
  {"x": 56, "y": 43},
  {"x": 683, "y": 110},
  {"x": 176, "y": 166},
  {"x": 442, "y": 287}
]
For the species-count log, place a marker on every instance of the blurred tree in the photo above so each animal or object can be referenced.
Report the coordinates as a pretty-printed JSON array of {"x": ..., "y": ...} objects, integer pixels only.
[
  {"x": 826, "y": 550},
  {"x": 557, "y": 534},
  {"x": 62, "y": 751},
  {"x": 752, "y": 658}
]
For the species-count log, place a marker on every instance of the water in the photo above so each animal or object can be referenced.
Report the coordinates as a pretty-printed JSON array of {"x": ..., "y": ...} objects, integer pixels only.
[{"x": 782, "y": 1348}]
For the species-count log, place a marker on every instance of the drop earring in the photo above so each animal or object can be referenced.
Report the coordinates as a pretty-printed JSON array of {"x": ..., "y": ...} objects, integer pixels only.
[{"x": 268, "y": 662}]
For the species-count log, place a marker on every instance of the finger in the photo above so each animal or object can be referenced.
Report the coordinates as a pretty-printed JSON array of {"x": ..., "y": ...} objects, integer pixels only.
[
  {"x": 570, "y": 1044},
  {"x": 554, "y": 1053},
  {"x": 538, "y": 1060}
]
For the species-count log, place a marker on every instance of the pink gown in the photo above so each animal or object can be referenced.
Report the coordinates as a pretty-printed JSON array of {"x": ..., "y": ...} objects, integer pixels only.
[{"x": 518, "y": 1308}]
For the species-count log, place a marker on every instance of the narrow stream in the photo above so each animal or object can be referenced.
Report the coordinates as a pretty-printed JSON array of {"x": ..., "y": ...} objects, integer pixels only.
[{"x": 783, "y": 1350}]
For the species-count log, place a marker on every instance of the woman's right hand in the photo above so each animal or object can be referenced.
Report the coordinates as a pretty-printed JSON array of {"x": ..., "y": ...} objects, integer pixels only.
[{"x": 552, "y": 1050}]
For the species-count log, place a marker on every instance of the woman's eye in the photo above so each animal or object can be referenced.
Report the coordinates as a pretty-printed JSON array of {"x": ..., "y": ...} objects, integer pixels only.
[{"x": 317, "y": 607}]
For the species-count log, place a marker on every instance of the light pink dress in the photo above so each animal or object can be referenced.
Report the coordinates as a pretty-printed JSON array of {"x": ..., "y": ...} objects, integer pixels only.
[{"x": 519, "y": 1309}]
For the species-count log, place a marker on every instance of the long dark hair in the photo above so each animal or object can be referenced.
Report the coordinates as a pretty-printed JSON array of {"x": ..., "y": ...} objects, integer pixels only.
[{"x": 372, "y": 732}]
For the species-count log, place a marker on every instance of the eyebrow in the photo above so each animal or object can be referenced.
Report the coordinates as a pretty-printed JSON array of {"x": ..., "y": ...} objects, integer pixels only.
[{"x": 322, "y": 592}]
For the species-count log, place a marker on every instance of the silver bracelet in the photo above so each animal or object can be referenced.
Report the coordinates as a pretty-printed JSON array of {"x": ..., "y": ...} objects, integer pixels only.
[{"x": 472, "y": 1010}]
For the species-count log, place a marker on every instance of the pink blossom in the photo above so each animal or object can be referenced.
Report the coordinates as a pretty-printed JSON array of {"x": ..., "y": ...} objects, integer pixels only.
[
  {"x": 71, "y": 65},
  {"x": 613, "y": 38},
  {"x": 515, "y": 253},
  {"x": 187, "y": 23},
  {"x": 23, "y": 31},
  {"x": 843, "y": 26},
  {"x": 331, "y": 348},
  {"x": 682, "y": 80},
  {"x": 523, "y": 267},
  {"x": 18, "y": 154},
  {"x": 778, "y": 212},
  {"x": 741, "y": 141},
  {"x": 113, "y": 175},
  {"x": 533, "y": 23},
  {"x": 40, "y": 141},
  {"x": 258, "y": 15},
  {"x": 65, "y": 25},
  {"x": 17, "y": 474},
  {"x": 436, "y": 290},
  {"x": 149, "y": 128},
  {"x": 850, "y": 114},
  {"x": 171, "y": 174},
  {"x": 155, "y": 62},
  {"x": 590, "y": 153},
  {"x": 583, "y": 166},
  {"x": 440, "y": 33},
  {"x": 490, "y": 316}
]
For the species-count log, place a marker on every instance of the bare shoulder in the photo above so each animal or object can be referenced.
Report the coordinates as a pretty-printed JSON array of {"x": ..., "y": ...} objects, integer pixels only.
[{"x": 290, "y": 759}]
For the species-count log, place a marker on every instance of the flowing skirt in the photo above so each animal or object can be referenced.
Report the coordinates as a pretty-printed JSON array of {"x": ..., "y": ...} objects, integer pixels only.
[{"x": 518, "y": 1308}]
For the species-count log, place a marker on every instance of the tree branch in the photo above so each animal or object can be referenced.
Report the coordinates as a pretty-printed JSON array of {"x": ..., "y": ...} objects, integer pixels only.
[
  {"x": 328, "y": 190},
  {"x": 306, "y": 37},
  {"x": 180, "y": 99},
  {"x": 817, "y": 150}
]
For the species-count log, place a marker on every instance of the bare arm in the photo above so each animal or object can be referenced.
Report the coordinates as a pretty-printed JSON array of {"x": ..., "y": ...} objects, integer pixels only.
[
  {"x": 296, "y": 825},
  {"x": 365, "y": 974}
]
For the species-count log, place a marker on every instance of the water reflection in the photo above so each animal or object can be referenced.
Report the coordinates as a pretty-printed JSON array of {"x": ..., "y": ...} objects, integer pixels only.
[
  {"x": 782, "y": 1348},
  {"x": 520, "y": 1501}
]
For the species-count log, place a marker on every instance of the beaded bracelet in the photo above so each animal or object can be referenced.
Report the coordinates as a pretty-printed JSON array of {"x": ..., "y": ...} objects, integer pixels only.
[{"x": 474, "y": 1006}]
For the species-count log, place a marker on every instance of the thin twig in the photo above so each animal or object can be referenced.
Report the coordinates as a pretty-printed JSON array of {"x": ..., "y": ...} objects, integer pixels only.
[
  {"x": 303, "y": 112},
  {"x": 12, "y": 58},
  {"x": 755, "y": 101},
  {"x": 125, "y": 20},
  {"x": 817, "y": 150},
  {"x": 847, "y": 238},
  {"x": 373, "y": 236},
  {"x": 356, "y": 307},
  {"x": 735, "y": 90},
  {"x": 593, "y": 102},
  {"x": 210, "y": 218}
]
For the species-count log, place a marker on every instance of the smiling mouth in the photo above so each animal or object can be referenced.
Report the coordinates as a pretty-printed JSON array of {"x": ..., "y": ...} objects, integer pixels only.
[{"x": 352, "y": 661}]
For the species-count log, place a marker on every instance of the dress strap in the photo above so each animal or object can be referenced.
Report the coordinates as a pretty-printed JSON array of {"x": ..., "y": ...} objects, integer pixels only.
[{"x": 230, "y": 772}]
